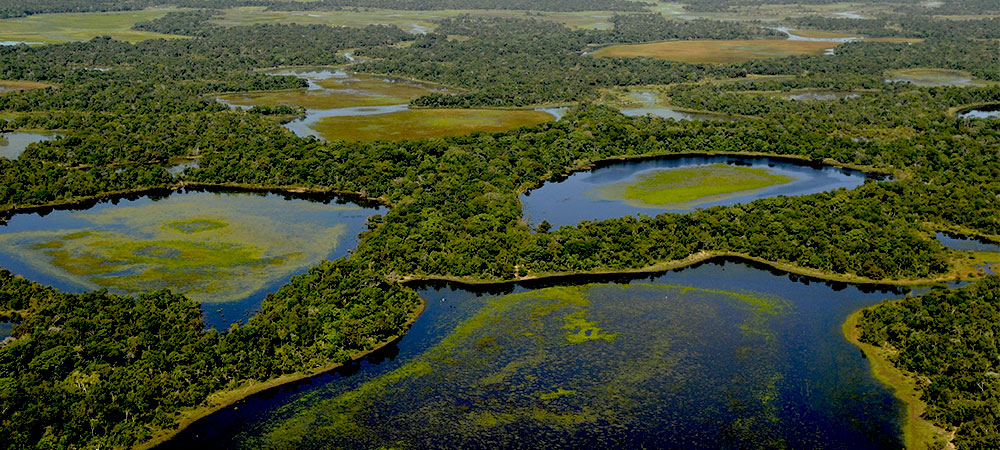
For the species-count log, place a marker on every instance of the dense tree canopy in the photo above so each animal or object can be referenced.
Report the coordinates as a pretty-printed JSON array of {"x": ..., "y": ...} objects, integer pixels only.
[{"x": 124, "y": 111}]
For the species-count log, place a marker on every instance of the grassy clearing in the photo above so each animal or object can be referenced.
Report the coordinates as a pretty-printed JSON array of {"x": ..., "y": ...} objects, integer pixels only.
[
  {"x": 340, "y": 92},
  {"x": 55, "y": 28},
  {"x": 412, "y": 21},
  {"x": 12, "y": 85},
  {"x": 685, "y": 187},
  {"x": 426, "y": 123},
  {"x": 918, "y": 433},
  {"x": 716, "y": 51}
]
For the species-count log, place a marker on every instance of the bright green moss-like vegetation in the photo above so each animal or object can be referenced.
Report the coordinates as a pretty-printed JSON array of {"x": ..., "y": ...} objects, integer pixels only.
[{"x": 686, "y": 187}]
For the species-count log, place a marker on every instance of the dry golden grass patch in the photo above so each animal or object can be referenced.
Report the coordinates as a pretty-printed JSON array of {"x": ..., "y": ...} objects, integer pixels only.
[{"x": 717, "y": 51}]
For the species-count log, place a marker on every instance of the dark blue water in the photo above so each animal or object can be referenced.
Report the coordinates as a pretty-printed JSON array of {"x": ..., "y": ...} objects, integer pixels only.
[
  {"x": 966, "y": 244},
  {"x": 278, "y": 212},
  {"x": 725, "y": 375},
  {"x": 568, "y": 201}
]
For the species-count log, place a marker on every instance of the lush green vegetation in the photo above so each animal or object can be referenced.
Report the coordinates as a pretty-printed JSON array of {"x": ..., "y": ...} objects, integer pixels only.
[
  {"x": 946, "y": 339},
  {"x": 69, "y": 374}
]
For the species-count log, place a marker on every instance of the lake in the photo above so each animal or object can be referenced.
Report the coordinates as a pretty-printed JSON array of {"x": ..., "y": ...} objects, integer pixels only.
[
  {"x": 225, "y": 250},
  {"x": 583, "y": 196},
  {"x": 721, "y": 355}
]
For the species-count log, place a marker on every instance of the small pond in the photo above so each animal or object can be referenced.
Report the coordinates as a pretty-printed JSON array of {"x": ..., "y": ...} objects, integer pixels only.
[
  {"x": 670, "y": 113},
  {"x": 722, "y": 355},
  {"x": 932, "y": 77},
  {"x": 13, "y": 144},
  {"x": 984, "y": 254},
  {"x": 226, "y": 250},
  {"x": 820, "y": 95},
  {"x": 676, "y": 184},
  {"x": 981, "y": 112}
]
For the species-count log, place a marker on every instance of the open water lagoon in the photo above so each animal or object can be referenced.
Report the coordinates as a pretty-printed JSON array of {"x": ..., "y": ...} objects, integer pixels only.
[
  {"x": 648, "y": 187},
  {"x": 723, "y": 355},
  {"x": 225, "y": 250}
]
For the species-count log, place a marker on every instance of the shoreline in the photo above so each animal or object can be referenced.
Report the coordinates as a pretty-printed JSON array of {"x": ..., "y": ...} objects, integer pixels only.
[
  {"x": 222, "y": 399},
  {"x": 691, "y": 260},
  {"x": 86, "y": 202},
  {"x": 583, "y": 166},
  {"x": 918, "y": 433}
]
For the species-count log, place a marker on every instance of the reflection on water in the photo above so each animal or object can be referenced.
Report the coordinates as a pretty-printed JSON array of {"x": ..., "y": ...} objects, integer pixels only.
[
  {"x": 13, "y": 144},
  {"x": 670, "y": 113},
  {"x": 224, "y": 250},
  {"x": 823, "y": 96},
  {"x": 988, "y": 252},
  {"x": 567, "y": 202},
  {"x": 723, "y": 355}
]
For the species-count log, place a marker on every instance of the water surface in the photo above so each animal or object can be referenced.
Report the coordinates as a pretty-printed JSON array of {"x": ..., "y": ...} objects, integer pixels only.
[
  {"x": 670, "y": 113},
  {"x": 568, "y": 201},
  {"x": 226, "y": 250},
  {"x": 981, "y": 112},
  {"x": 723, "y": 355},
  {"x": 13, "y": 144}
]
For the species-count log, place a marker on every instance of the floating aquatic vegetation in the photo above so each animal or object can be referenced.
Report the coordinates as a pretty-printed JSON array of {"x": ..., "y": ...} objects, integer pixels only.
[{"x": 213, "y": 248}]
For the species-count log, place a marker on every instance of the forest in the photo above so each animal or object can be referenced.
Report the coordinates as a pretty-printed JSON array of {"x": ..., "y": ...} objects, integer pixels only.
[{"x": 125, "y": 111}]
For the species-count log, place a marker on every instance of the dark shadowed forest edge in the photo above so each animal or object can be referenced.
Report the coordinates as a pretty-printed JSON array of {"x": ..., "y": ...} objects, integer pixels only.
[{"x": 104, "y": 370}]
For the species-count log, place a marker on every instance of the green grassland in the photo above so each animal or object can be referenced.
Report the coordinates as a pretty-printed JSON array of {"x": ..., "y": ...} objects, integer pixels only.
[
  {"x": 413, "y": 21},
  {"x": 55, "y": 28},
  {"x": 686, "y": 187},
  {"x": 716, "y": 51},
  {"x": 349, "y": 91},
  {"x": 426, "y": 123}
]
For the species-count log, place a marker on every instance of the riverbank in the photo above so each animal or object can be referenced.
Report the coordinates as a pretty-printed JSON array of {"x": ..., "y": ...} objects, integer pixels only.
[
  {"x": 918, "y": 433},
  {"x": 223, "y": 399},
  {"x": 86, "y": 202},
  {"x": 582, "y": 166},
  {"x": 693, "y": 259}
]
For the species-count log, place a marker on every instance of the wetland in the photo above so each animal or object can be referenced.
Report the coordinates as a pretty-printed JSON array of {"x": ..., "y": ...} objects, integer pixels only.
[
  {"x": 676, "y": 184},
  {"x": 361, "y": 107},
  {"x": 225, "y": 250},
  {"x": 616, "y": 362}
]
